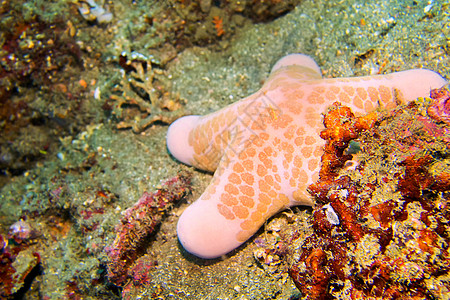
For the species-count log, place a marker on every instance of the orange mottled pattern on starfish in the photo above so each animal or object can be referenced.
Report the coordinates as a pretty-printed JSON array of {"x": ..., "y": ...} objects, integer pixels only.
[{"x": 209, "y": 140}]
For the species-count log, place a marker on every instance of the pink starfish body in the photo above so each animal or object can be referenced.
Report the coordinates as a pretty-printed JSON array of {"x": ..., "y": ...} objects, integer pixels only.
[{"x": 265, "y": 149}]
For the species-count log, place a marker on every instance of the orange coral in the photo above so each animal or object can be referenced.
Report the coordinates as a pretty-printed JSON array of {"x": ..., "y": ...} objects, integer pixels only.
[
  {"x": 341, "y": 127},
  {"x": 316, "y": 261},
  {"x": 382, "y": 230},
  {"x": 218, "y": 24}
]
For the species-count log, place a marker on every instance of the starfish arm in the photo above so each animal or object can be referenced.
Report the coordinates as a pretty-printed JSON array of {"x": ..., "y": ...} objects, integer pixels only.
[
  {"x": 416, "y": 83},
  {"x": 234, "y": 206},
  {"x": 266, "y": 176},
  {"x": 201, "y": 141},
  {"x": 309, "y": 67},
  {"x": 308, "y": 98},
  {"x": 205, "y": 229},
  {"x": 177, "y": 141},
  {"x": 364, "y": 94}
]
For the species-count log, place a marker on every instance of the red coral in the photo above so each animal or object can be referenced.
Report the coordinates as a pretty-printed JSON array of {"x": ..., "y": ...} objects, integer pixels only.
[
  {"x": 341, "y": 127},
  {"x": 316, "y": 261},
  {"x": 17, "y": 261},
  {"x": 138, "y": 223}
]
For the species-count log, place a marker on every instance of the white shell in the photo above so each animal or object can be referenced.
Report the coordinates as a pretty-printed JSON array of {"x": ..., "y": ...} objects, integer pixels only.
[{"x": 332, "y": 217}]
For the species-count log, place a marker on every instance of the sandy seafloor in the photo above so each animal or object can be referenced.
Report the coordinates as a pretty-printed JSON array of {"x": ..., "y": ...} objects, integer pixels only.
[{"x": 399, "y": 35}]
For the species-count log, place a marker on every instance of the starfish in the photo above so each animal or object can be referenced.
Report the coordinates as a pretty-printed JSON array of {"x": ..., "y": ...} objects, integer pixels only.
[{"x": 265, "y": 149}]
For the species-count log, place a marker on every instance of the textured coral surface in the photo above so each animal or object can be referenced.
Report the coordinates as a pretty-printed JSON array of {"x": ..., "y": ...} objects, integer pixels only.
[{"x": 381, "y": 226}]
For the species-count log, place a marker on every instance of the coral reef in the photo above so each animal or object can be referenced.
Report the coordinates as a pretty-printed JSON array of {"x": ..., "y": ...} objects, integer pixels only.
[
  {"x": 39, "y": 59},
  {"x": 380, "y": 226},
  {"x": 137, "y": 225},
  {"x": 18, "y": 258},
  {"x": 202, "y": 22},
  {"x": 68, "y": 173},
  {"x": 440, "y": 109},
  {"x": 143, "y": 97}
]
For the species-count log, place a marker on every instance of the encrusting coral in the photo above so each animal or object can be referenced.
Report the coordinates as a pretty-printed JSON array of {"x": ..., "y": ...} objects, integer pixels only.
[
  {"x": 145, "y": 88},
  {"x": 20, "y": 257},
  {"x": 138, "y": 223},
  {"x": 380, "y": 225},
  {"x": 440, "y": 110}
]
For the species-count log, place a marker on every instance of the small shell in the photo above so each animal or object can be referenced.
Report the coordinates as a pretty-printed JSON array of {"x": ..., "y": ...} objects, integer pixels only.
[
  {"x": 332, "y": 217},
  {"x": 20, "y": 231}
]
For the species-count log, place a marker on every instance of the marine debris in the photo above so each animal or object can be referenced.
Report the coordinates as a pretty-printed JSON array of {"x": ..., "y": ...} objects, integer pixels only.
[{"x": 381, "y": 224}]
